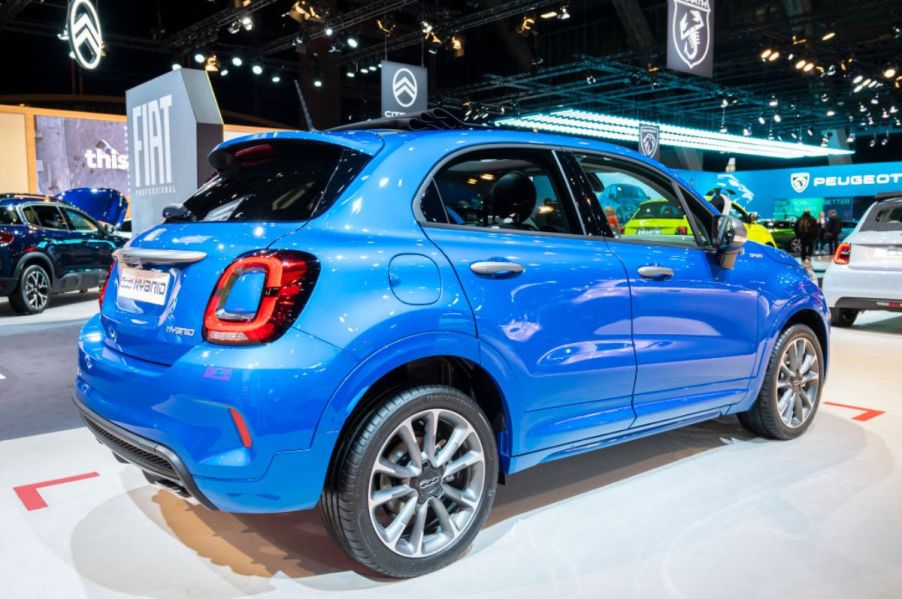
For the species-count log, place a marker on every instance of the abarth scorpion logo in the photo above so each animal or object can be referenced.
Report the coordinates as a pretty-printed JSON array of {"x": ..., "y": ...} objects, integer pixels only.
[
  {"x": 85, "y": 38},
  {"x": 404, "y": 87},
  {"x": 691, "y": 30},
  {"x": 799, "y": 181}
]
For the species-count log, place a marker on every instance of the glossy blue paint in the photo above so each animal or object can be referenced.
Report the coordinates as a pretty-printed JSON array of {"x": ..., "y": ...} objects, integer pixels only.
[
  {"x": 582, "y": 352},
  {"x": 106, "y": 205}
]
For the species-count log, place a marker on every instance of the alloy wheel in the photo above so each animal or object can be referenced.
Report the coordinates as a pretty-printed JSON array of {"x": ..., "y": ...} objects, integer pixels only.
[
  {"x": 797, "y": 382},
  {"x": 427, "y": 483},
  {"x": 37, "y": 289}
]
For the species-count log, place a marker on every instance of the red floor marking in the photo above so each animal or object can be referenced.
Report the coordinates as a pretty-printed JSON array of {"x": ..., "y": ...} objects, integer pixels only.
[
  {"x": 867, "y": 413},
  {"x": 32, "y": 500}
]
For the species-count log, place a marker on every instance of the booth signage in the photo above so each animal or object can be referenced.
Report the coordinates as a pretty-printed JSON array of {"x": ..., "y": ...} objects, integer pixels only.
[
  {"x": 404, "y": 89},
  {"x": 173, "y": 124},
  {"x": 75, "y": 152},
  {"x": 85, "y": 36},
  {"x": 649, "y": 136},
  {"x": 690, "y": 43}
]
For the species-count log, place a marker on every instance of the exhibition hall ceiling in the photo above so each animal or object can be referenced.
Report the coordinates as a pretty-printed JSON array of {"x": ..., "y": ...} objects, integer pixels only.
[{"x": 785, "y": 70}]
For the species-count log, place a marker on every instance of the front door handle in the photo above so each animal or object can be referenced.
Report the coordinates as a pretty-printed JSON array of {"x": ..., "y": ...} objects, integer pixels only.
[
  {"x": 653, "y": 271},
  {"x": 492, "y": 268}
]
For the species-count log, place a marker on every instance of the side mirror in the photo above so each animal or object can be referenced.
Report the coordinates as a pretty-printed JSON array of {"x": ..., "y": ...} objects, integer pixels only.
[{"x": 731, "y": 236}]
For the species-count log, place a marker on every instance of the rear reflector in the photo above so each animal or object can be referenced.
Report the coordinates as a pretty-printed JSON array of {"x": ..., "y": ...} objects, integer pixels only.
[
  {"x": 105, "y": 283},
  {"x": 241, "y": 427},
  {"x": 843, "y": 253},
  {"x": 6, "y": 238},
  {"x": 288, "y": 280}
]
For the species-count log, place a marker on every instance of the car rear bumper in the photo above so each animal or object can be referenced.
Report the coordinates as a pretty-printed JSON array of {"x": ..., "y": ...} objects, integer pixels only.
[
  {"x": 851, "y": 285},
  {"x": 174, "y": 422}
]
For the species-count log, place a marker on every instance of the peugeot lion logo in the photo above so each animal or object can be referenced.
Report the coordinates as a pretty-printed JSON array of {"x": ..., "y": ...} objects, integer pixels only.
[
  {"x": 799, "y": 181},
  {"x": 85, "y": 39},
  {"x": 691, "y": 30},
  {"x": 648, "y": 140},
  {"x": 404, "y": 87}
]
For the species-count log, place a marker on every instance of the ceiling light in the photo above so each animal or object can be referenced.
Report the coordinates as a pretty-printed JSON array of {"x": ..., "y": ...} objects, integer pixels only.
[
  {"x": 176, "y": 66},
  {"x": 317, "y": 82},
  {"x": 773, "y": 102},
  {"x": 858, "y": 79},
  {"x": 777, "y": 117},
  {"x": 526, "y": 25},
  {"x": 889, "y": 72},
  {"x": 426, "y": 27},
  {"x": 352, "y": 42},
  {"x": 276, "y": 78},
  {"x": 801, "y": 64},
  {"x": 808, "y": 66},
  {"x": 550, "y": 14},
  {"x": 433, "y": 43},
  {"x": 563, "y": 14},
  {"x": 350, "y": 73},
  {"x": 303, "y": 11},
  {"x": 761, "y": 119},
  {"x": 234, "y": 27},
  {"x": 457, "y": 46},
  {"x": 851, "y": 138},
  {"x": 328, "y": 31},
  {"x": 747, "y": 130},
  {"x": 828, "y": 36},
  {"x": 831, "y": 113},
  {"x": 386, "y": 24},
  {"x": 212, "y": 64},
  {"x": 257, "y": 69},
  {"x": 247, "y": 22},
  {"x": 605, "y": 126},
  {"x": 224, "y": 73},
  {"x": 774, "y": 56},
  {"x": 765, "y": 54},
  {"x": 199, "y": 58},
  {"x": 236, "y": 61}
]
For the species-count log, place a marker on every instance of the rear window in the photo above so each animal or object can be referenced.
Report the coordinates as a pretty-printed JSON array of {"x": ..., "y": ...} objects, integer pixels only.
[
  {"x": 270, "y": 182},
  {"x": 884, "y": 217},
  {"x": 9, "y": 216}
]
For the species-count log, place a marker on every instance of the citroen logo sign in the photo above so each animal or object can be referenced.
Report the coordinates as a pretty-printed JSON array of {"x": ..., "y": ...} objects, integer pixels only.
[
  {"x": 85, "y": 39},
  {"x": 404, "y": 87}
]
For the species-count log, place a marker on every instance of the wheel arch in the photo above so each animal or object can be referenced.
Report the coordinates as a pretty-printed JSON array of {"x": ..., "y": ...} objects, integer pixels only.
[
  {"x": 35, "y": 258},
  {"x": 440, "y": 358}
]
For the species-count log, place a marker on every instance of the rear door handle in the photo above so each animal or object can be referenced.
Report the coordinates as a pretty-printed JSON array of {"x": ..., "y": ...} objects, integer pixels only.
[
  {"x": 492, "y": 268},
  {"x": 658, "y": 273}
]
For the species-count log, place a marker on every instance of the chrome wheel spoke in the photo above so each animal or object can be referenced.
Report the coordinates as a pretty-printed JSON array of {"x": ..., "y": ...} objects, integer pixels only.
[
  {"x": 445, "y": 521},
  {"x": 464, "y": 461},
  {"x": 808, "y": 361},
  {"x": 788, "y": 400},
  {"x": 809, "y": 378},
  {"x": 460, "y": 496},
  {"x": 458, "y": 436},
  {"x": 430, "y": 435},
  {"x": 413, "y": 447},
  {"x": 418, "y": 532},
  {"x": 394, "y": 530},
  {"x": 385, "y": 495},
  {"x": 393, "y": 469},
  {"x": 798, "y": 410},
  {"x": 784, "y": 370}
]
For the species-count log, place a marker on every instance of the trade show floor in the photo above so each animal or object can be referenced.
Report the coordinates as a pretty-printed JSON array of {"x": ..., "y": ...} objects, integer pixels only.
[{"x": 707, "y": 511}]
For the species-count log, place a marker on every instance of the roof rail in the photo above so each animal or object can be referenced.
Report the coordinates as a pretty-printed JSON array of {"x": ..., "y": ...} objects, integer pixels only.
[{"x": 438, "y": 119}]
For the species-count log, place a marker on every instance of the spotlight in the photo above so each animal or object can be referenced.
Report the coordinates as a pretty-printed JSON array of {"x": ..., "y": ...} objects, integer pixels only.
[
  {"x": 212, "y": 64},
  {"x": 176, "y": 66},
  {"x": 778, "y": 118},
  {"x": 774, "y": 56},
  {"x": 317, "y": 82},
  {"x": 224, "y": 73},
  {"x": 875, "y": 100},
  {"x": 526, "y": 25},
  {"x": 352, "y": 42},
  {"x": 850, "y": 139},
  {"x": 328, "y": 31},
  {"x": 761, "y": 119},
  {"x": 808, "y": 67},
  {"x": 765, "y": 54},
  {"x": 884, "y": 141},
  {"x": 337, "y": 47},
  {"x": 873, "y": 142},
  {"x": 590, "y": 79},
  {"x": 257, "y": 69},
  {"x": 236, "y": 61},
  {"x": 433, "y": 43},
  {"x": 199, "y": 58},
  {"x": 548, "y": 14},
  {"x": 858, "y": 79},
  {"x": 801, "y": 64},
  {"x": 303, "y": 11},
  {"x": 747, "y": 130},
  {"x": 810, "y": 132},
  {"x": 386, "y": 24},
  {"x": 563, "y": 14},
  {"x": 351, "y": 73},
  {"x": 889, "y": 71},
  {"x": 247, "y": 22},
  {"x": 297, "y": 42},
  {"x": 426, "y": 27},
  {"x": 457, "y": 46},
  {"x": 234, "y": 27},
  {"x": 373, "y": 68},
  {"x": 828, "y": 36},
  {"x": 831, "y": 113},
  {"x": 893, "y": 109},
  {"x": 773, "y": 102},
  {"x": 276, "y": 78}
]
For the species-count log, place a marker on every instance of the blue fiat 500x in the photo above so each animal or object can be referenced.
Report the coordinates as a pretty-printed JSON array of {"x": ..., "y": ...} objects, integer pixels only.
[{"x": 388, "y": 322}]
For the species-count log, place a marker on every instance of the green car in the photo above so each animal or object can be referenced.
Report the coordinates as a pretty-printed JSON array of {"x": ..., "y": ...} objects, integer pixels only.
[{"x": 784, "y": 234}]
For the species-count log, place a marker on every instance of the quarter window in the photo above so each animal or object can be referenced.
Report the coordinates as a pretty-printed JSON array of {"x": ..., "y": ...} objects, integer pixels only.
[
  {"x": 513, "y": 189},
  {"x": 80, "y": 222},
  {"x": 638, "y": 204}
]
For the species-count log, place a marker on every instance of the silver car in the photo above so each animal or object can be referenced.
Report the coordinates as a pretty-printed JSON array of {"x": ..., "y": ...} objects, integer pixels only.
[{"x": 866, "y": 273}]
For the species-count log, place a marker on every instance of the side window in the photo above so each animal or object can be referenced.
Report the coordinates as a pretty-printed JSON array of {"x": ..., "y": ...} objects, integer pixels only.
[
  {"x": 501, "y": 189},
  {"x": 9, "y": 216},
  {"x": 638, "y": 204},
  {"x": 80, "y": 222},
  {"x": 50, "y": 217},
  {"x": 30, "y": 216}
]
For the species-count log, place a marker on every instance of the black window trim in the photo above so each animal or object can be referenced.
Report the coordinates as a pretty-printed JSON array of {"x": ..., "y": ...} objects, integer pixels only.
[
  {"x": 641, "y": 166},
  {"x": 563, "y": 181},
  {"x": 41, "y": 226}
]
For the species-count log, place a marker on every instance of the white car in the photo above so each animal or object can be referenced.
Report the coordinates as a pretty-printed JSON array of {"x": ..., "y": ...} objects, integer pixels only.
[{"x": 866, "y": 273}]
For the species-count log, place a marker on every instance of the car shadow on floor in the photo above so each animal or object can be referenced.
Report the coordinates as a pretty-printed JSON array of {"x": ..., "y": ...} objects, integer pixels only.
[
  {"x": 57, "y": 301},
  {"x": 297, "y": 544},
  {"x": 889, "y": 325}
]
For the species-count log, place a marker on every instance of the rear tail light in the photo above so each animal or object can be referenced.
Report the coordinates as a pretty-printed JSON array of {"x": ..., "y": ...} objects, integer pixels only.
[
  {"x": 6, "y": 238},
  {"x": 106, "y": 282},
  {"x": 843, "y": 253},
  {"x": 288, "y": 279}
]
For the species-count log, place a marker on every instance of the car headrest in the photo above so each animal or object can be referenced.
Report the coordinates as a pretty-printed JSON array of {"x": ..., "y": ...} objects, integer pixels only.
[{"x": 514, "y": 197}]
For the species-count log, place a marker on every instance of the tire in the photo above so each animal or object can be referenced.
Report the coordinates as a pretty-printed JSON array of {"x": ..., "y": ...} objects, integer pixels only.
[
  {"x": 32, "y": 294},
  {"x": 785, "y": 383},
  {"x": 843, "y": 317},
  {"x": 374, "y": 457}
]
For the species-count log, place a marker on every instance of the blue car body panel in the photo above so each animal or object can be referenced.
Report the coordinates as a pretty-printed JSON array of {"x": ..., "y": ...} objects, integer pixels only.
[
  {"x": 582, "y": 351},
  {"x": 106, "y": 205}
]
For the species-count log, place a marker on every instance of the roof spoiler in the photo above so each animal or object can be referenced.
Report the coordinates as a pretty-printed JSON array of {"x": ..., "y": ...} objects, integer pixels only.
[{"x": 437, "y": 119}]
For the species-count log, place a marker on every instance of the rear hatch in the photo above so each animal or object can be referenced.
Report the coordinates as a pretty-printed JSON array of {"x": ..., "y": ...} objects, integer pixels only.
[
  {"x": 877, "y": 245},
  {"x": 154, "y": 304}
]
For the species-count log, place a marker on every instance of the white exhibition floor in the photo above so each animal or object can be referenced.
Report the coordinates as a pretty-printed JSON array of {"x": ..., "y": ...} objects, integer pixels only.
[{"x": 703, "y": 512}]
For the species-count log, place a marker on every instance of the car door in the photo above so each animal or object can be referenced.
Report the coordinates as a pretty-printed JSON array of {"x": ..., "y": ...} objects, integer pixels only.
[
  {"x": 55, "y": 239},
  {"x": 551, "y": 302},
  {"x": 695, "y": 324},
  {"x": 97, "y": 251}
]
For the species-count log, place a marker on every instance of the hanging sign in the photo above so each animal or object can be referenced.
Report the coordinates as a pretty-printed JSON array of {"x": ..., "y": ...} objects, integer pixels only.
[{"x": 690, "y": 45}]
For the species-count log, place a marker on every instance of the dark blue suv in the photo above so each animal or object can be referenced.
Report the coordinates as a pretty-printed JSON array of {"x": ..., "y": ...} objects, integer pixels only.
[
  {"x": 386, "y": 322},
  {"x": 49, "y": 247}
]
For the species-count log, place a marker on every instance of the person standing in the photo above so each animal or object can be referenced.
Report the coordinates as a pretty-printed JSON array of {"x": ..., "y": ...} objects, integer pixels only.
[
  {"x": 822, "y": 232},
  {"x": 806, "y": 230},
  {"x": 834, "y": 230}
]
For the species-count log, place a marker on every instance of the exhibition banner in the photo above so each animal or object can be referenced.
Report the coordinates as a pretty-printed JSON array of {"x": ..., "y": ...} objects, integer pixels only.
[
  {"x": 404, "y": 89},
  {"x": 74, "y": 152},
  {"x": 690, "y": 42},
  {"x": 173, "y": 124}
]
